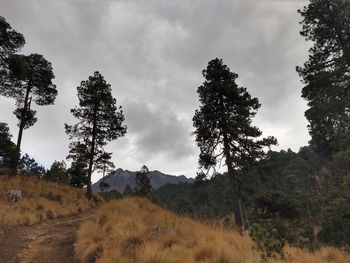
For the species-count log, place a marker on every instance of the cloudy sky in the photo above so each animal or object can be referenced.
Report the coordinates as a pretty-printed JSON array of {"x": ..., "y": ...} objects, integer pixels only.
[{"x": 152, "y": 52}]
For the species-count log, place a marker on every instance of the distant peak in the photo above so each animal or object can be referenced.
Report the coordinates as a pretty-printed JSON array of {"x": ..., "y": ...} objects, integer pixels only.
[{"x": 120, "y": 178}]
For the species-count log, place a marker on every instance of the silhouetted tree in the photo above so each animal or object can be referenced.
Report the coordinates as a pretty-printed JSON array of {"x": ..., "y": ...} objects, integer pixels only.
[
  {"x": 33, "y": 83},
  {"x": 143, "y": 182},
  {"x": 58, "y": 173},
  {"x": 326, "y": 74},
  {"x": 7, "y": 147},
  {"x": 104, "y": 164},
  {"x": 99, "y": 121},
  {"x": 79, "y": 154},
  {"x": 223, "y": 126},
  {"x": 28, "y": 166},
  {"x": 77, "y": 174}
]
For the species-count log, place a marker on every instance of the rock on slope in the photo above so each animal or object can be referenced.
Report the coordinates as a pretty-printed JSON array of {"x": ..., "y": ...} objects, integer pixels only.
[{"x": 121, "y": 178}]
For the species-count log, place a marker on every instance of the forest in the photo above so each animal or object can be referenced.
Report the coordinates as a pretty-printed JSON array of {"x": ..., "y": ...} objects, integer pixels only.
[{"x": 280, "y": 197}]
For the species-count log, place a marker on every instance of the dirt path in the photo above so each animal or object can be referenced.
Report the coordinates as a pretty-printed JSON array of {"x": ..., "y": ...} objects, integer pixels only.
[{"x": 48, "y": 242}]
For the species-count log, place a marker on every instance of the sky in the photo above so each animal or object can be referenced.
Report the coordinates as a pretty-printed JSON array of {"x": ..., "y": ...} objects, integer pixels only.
[{"x": 152, "y": 52}]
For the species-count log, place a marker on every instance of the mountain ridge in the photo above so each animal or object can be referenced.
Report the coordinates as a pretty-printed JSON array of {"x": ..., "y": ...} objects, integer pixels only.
[{"x": 120, "y": 178}]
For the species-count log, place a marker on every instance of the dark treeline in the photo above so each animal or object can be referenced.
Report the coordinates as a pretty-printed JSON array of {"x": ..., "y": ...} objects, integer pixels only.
[{"x": 301, "y": 198}]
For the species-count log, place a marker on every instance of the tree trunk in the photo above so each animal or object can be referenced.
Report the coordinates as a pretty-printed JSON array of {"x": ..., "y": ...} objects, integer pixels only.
[
  {"x": 92, "y": 154},
  {"x": 246, "y": 217},
  {"x": 20, "y": 133},
  {"x": 103, "y": 178},
  {"x": 236, "y": 193},
  {"x": 236, "y": 201}
]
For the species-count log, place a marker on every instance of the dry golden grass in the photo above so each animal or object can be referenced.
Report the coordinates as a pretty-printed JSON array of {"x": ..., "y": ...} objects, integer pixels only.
[
  {"x": 42, "y": 200},
  {"x": 135, "y": 230}
]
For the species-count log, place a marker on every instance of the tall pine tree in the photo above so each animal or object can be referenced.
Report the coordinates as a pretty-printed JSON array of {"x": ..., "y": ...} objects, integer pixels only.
[
  {"x": 31, "y": 81},
  {"x": 24, "y": 78},
  {"x": 326, "y": 75},
  {"x": 99, "y": 121},
  {"x": 224, "y": 127}
]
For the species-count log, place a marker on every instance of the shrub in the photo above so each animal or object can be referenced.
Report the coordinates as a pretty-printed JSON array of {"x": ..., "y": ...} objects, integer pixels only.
[{"x": 268, "y": 241}]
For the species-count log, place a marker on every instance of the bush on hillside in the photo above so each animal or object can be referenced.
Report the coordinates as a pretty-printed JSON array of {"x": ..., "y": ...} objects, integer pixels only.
[{"x": 269, "y": 242}]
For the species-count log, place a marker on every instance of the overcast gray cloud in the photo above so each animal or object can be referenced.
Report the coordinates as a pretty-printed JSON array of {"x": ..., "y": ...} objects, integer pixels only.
[{"x": 152, "y": 52}]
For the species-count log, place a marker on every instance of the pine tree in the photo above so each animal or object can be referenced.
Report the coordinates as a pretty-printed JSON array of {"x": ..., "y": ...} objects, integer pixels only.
[
  {"x": 32, "y": 77},
  {"x": 77, "y": 174},
  {"x": 143, "y": 182},
  {"x": 99, "y": 121},
  {"x": 79, "y": 154},
  {"x": 104, "y": 164},
  {"x": 326, "y": 74},
  {"x": 58, "y": 173},
  {"x": 223, "y": 126},
  {"x": 29, "y": 167}
]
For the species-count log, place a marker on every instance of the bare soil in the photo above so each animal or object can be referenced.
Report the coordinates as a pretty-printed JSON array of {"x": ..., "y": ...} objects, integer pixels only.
[{"x": 49, "y": 242}]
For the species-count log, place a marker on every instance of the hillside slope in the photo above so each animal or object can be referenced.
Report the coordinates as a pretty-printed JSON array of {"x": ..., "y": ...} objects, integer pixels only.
[
  {"x": 120, "y": 178},
  {"x": 41, "y": 200},
  {"x": 135, "y": 230}
]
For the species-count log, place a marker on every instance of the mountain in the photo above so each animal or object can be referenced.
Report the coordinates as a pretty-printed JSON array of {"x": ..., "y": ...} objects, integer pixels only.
[{"x": 120, "y": 178}]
